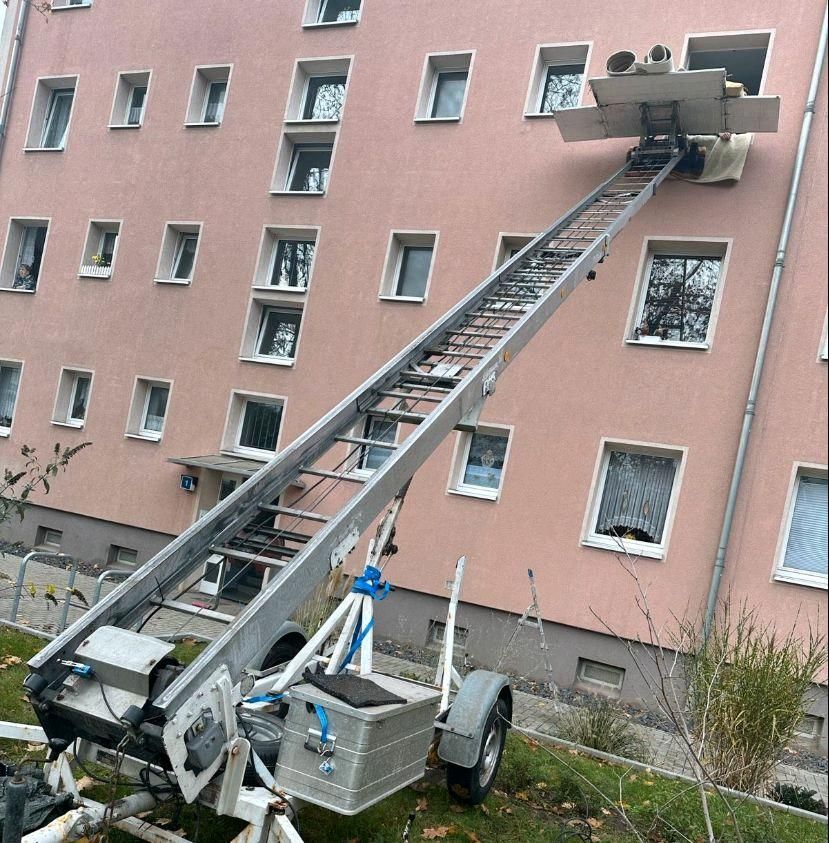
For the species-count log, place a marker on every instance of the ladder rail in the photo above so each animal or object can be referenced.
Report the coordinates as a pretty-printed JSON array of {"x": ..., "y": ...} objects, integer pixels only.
[{"x": 329, "y": 545}]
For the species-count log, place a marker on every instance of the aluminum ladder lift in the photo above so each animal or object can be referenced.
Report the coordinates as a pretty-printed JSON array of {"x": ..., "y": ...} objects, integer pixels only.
[{"x": 304, "y": 511}]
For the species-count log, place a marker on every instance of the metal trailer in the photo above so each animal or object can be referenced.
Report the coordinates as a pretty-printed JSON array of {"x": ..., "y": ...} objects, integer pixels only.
[{"x": 257, "y": 745}]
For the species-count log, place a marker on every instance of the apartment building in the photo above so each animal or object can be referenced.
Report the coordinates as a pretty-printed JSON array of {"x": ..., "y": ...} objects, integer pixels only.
[{"x": 217, "y": 222}]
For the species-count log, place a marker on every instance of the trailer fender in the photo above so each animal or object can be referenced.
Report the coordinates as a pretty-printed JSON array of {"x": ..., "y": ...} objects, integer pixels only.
[{"x": 481, "y": 689}]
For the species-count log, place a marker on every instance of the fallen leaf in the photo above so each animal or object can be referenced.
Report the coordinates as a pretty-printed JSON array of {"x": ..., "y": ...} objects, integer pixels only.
[
  {"x": 473, "y": 838},
  {"x": 419, "y": 787},
  {"x": 484, "y": 810},
  {"x": 541, "y": 785},
  {"x": 85, "y": 782},
  {"x": 437, "y": 833},
  {"x": 632, "y": 777},
  {"x": 607, "y": 813},
  {"x": 522, "y": 795},
  {"x": 594, "y": 823},
  {"x": 4, "y": 667},
  {"x": 505, "y": 809},
  {"x": 456, "y": 809},
  {"x": 34, "y": 747},
  {"x": 422, "y": 804},
  {"x": 568, "y": 806},
  {"x": 12, "y": 660}
]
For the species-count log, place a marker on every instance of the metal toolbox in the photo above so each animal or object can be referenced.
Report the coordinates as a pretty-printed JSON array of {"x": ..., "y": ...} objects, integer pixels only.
[{"x": 375, "y": 751}]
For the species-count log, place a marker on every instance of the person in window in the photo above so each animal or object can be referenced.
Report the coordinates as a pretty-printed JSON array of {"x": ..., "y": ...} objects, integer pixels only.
[{"x": 24, "y": 280}]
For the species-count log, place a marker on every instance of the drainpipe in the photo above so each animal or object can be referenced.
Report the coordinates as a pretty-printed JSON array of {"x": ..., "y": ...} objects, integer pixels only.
[
  {"x": 14, "y": 61},
  {"x": 779, "y": 263}
]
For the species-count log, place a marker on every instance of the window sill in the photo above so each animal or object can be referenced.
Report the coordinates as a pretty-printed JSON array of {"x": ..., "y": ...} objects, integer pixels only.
[
  {"x": 17, "y": 290},
  {"x": 269, "y": 361},
  {"x": 329, "y": 23},
  {"x": 532, "y": 115},
  {"x": 472, "y": 493},
  {"x": 691, "y": 346},
  {"x": 800, "y": 578},
  {"x": 259, "y": 456},
  {"x": 438, "y": 119},
  {"x": 125, "y": 125},
  {"x": 75, "y": 6},
  {"x": 75, "y": 425},
  {"x": 404, "y": 299},
  {"x": 98, "y": 276},
  {"x": 297, "y": 192},
  {"x": 5, "y": 432},
  {"x": 633, "y": 548},
  {"x": 201, "y": 125},
  {"x": 145, "y": 437},
  {"x": 299, "y": 121},
  {"x": 177, "y": 282},
  {"x": 43, "y": 149},
  {"x": 278, "y": 288}
]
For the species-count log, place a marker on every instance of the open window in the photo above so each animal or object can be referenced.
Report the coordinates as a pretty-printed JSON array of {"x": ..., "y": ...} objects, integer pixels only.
[
  {"x": 678, "y": 293},
  {"x": 409, "y": 263},
  {"x": 634, "y": 498},
  {"x": 72, "y": 402},
  {"x": 444, "y": 87},
  {"x": 51, "y": 113},
  {"x": 318, "y": 90},
  {"x": 743, "y": 55},
  {"x": 253, "y": 426},
  {"x": 480, "y": 461},
  {"x": 148, "y": 412},
  {"x": 100, "y": 249},
  {"x": 208, "y": 95},
  {"x": 10, "y": 371},
  {"x": 130, "y": 100},
  {"x": 272, "y": 332},
  {"x": 23, "y": 255},
  {"x": 331, "y": 12},
  {"x": 802, "y": 557},
  {"x": 558, "y": 78},
  {"x": 179, "y": 250}
]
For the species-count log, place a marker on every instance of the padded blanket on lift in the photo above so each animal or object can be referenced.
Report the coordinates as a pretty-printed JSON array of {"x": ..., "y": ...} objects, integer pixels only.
[{"x": 354, "y": 690}]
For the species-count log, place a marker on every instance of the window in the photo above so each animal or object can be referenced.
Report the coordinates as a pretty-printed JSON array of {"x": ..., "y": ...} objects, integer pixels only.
[
  {"x": 310, "y": 164},
  {"x": 318, "y": 90},
  {"x": 509, "y": 245},
  {"x": 480, "y": 459},
  {"x": 602, "y": 678},
  {"x": 51, "y": 113},
  {"x": 149, "y": 409},
  {"x": 286, "y": 259},
  {"x": 437, "y": 635},
  {"x": 444, "y": 86},
  {"x": 179, "y": 249},
  {"x": 558, "y": 78},
  {"x": 635, "y": 499},
  {"x": 331, "y": 12},
  {"x": 25, "y": 245},
  {"x": 370, "y": 457},
  {"x": 810, "y": 727},
  {"x": 100, "y": 248},
  {"x": 742, "y": 54},
  {"x": 74, "y": 388},
  {"x": 9, "y": 387},
  {"x": 324, "y": 98},
  {"x": 804, "y": 558},
  {"x": 130, "y": 100},
  {"x": 48, "y": 540},
  {"x": 126, "y": 557},
  {"x": 278, "y": 333},
  {"x": 57, "y": 5},
  {"x": 679, "y": 293},
  {"x": 408, "y": 265},
  {"x": 255, "y": 422},
  {"x": 208, "y": 95}
]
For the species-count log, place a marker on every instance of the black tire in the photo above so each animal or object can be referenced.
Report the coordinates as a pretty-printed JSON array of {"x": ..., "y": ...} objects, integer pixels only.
[
  {"x": 283, "y": 651},
  {"x": 264, "y": 733},
  {"x": 470, "y": 785}
]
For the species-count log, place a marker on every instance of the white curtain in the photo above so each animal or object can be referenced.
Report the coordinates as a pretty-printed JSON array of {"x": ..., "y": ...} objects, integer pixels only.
[{"x": 9, "y": 381}]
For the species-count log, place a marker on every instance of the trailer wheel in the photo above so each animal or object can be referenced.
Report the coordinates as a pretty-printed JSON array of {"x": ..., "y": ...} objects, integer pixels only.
[
  {"x": 264, "y": 733},
  {"x": 471, "y": 785}
]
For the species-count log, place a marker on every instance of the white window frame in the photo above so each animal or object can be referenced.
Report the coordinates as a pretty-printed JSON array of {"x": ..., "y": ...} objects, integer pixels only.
[
  {"x": 45, "y": 86},
  {"x": 263, "y": 310},
  {"x": 310, "y": 146},
  {"x": 12, "y": 247},
  {"x": 433, "y": 65},
  {"x": 654, "y": 245},
  {"x": 125, "y": 84},
  {"x": 463, "y": 442},
  {"x": 745, "y": 35},
  {"x": 398, "y": 240},
  {"x": 611, "y": 688},
  {"x": 115, "y": 555},
  {"x": 567, "y": 52},
  {"x": 235, "y": 419},
  {"x": 313, "y": 13},
  {"x": 268, "y": 245},
  {"x": 590, "y": 538},
  {"x": 356, "y": 452},
  {"x": 138, "y": 408},
  {"x": 780, "y": 573},
  {"x": 203, "y": 77},
  {"x": 172, "y": 241},
  {"x": 41, "y": 536},
  {"x": 5, "y": 432},
  {"x": 97, "y": 230},
  {"x": 306, "y": 69},
  {"x": 285, "y": 165},
  {"x": 508, "y": 240},
  {"x": 62, "y": 5},
  {"x": 65, "y": 398},
  {"x": 823, "y": 351},
  {"x": 181, "y": 242}
]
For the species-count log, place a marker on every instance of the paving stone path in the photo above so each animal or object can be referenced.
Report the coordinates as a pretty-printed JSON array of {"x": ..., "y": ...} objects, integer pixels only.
[{"x": 530, "y": 712}]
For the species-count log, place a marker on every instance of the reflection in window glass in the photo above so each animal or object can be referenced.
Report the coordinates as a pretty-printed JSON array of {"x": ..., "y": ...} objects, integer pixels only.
[
  {"x": 450, "y": 86},
  {"x": 562, "y": 87},
  {"x": 485, "y": 461}
]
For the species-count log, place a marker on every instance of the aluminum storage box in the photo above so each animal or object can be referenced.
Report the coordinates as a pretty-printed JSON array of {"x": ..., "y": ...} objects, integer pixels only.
[{"x": 377, "y": 750}]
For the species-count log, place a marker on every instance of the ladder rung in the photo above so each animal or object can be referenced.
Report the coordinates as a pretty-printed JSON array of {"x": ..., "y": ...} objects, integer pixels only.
[
  {"x": 357, "y": 440},
  {"x": 407, "y": 395},
  {"x": 230, "y": 553},
  {"x": 187, "y": 609},
  {"x": 466, "y": 355},
  {"x": 481, "y": 334},
  {"x": 428, "y": 386},
  {"x": 332, "y": 475},
  {"x": 305, "y": 514},
  {"x": 288, "y": 535},
  {"x": 467, "y": 344},
  {"x": 400, "y": 416},
  {"x": 488, "y": 313}
]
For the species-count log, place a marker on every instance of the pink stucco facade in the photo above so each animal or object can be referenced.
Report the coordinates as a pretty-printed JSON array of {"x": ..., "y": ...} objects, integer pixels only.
[{"x": 495, "y": 171}]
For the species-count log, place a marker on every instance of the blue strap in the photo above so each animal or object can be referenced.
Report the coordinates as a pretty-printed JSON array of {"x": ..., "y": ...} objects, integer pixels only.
[
  {"x": 323, "y": 718},
  {"x": 370, "y": 584},
  {"x": 263, "y": 698},
  {"x": 355, "y": 646}
]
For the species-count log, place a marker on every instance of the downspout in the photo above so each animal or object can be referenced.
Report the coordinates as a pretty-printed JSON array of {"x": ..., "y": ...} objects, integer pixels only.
[
  {"x": 779, "y": 263},
  {"x": 14, "y": 61}
]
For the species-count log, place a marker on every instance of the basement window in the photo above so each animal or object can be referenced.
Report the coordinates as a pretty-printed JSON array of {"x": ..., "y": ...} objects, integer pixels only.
[
  {"x": 558, "y": 78},
  {"x": 437, "y": 635},
  {"x": 804, "y": 556},
  {"x": 25, "y": 245},
  {"x": 123, "y": 557},
  {"x": 600, "y": 678},
  {"x": 742, "y": 54},
  {"x": 48, "y": 539}
]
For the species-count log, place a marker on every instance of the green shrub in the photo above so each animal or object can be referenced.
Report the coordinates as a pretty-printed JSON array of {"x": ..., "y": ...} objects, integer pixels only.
[
  {"x": 798, "y": 797},
  {"x": 602, "y": 726}
]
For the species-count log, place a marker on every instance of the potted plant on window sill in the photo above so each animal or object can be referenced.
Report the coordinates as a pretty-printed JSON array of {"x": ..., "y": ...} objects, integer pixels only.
[{"x": 99, "y": 267}]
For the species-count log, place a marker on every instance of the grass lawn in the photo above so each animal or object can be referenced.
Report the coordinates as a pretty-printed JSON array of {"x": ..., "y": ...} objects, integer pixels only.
[{"x": 538, "y": 789}]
